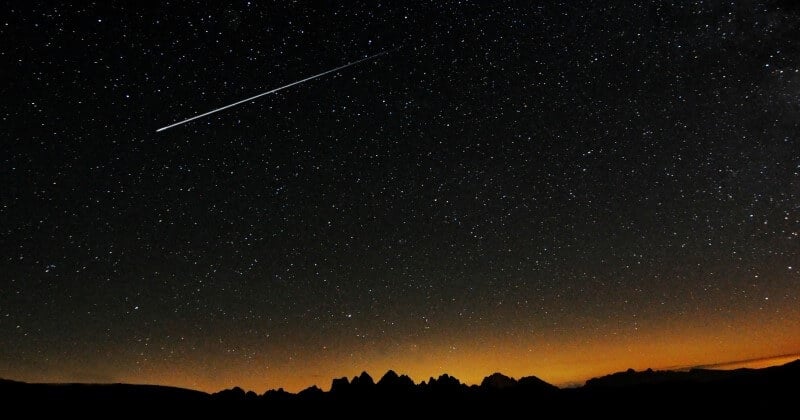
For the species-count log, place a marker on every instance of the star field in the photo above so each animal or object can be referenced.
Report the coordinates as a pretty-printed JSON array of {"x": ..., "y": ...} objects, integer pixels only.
[{"x": 551, "y": 188}]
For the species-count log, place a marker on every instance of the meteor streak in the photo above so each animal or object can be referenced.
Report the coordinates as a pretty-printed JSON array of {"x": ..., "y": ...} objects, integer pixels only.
[{"x": 353, "y": 63}]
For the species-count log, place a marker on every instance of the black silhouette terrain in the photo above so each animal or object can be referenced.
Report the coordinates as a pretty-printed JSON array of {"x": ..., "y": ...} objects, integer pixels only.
[
  {"x": 628, "y": 393},
  {"x": 20, "y": 391}
]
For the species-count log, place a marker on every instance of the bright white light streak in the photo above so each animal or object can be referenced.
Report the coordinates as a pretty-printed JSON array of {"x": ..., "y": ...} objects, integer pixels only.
[{"x": 271, "y": 91}]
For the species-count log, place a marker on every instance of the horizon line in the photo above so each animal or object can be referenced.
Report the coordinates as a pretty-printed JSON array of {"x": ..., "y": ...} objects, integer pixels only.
[{"x": 562, "y": 385}]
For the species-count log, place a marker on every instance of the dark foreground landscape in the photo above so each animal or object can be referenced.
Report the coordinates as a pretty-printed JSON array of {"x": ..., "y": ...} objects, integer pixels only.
[{"x": 629, "y": 392}]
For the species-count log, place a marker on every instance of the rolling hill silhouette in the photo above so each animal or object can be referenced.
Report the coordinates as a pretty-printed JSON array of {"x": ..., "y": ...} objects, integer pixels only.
[
  {"x": 621, "y": 393},
  {"x": 22, "y": 391}
]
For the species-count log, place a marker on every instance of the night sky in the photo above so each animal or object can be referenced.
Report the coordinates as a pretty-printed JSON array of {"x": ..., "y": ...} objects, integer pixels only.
[{"x": 559, "y": 189}]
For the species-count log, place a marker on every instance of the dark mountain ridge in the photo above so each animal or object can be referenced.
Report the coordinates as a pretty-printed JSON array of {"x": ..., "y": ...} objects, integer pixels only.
[{"x": 626, "y": 391}]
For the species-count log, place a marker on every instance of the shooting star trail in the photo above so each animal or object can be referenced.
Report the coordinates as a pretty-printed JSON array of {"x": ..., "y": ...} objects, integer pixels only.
[{"x": 353, "y": 63}]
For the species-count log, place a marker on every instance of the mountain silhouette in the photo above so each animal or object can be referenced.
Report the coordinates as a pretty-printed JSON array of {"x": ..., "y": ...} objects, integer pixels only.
[
  {"x": 22, "y": 391},
  {"x": 445, "y": 383},
  {"x": 392, "y": 382},
  {"x": 312, "y": 393},
  {"x": 622, "y": 393},
  {"x": 631, "y": 378},
  {"x": 534, "y": 384},
  {"x": 363, "y": 381},
  {"x": 498, "y": 381},
  {"x": 340, "y": 385}
]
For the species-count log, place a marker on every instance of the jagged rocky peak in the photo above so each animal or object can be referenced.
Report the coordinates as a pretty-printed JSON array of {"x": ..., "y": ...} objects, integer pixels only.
[
  {"x": 392, "y": 379},
  {"x": 498, "y": 381},
  {"x": 340, "y": 384},
  {"x": 362, "y": 380}
]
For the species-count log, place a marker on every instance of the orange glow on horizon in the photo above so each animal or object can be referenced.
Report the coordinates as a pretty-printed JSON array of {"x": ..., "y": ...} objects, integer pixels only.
[
  {"x": 567, "y": 362},
  {"x": 567, "y": 359}
]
